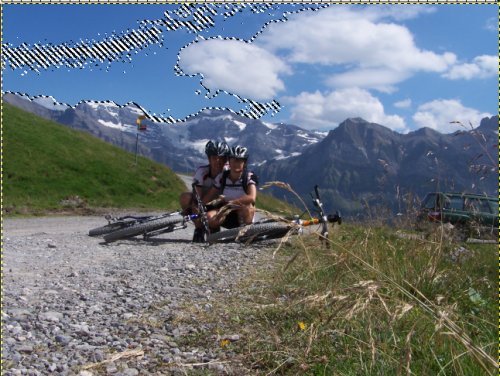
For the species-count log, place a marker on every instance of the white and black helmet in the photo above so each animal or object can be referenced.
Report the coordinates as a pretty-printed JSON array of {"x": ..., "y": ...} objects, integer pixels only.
[
  {"x": 219, "y": 149},
  {"x": 239, "y": 152}
]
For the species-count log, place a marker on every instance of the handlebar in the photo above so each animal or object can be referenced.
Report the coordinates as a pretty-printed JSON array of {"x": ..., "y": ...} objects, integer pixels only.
[
  {"x": 317, "y": 192},
  {"x": 317, "y": 201},
  {"x": 332, "y": 218}
]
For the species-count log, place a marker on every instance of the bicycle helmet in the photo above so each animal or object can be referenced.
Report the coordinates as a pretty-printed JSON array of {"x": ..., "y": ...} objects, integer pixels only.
[
  {"x": 239, "y": 152},
  {"x": 216, "y": 148}
]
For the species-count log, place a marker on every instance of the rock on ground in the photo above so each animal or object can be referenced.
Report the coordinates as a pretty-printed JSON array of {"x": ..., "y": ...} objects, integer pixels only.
[{"x": 75, "y": 305}]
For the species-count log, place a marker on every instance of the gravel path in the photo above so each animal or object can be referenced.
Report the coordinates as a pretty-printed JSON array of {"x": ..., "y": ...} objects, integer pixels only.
[{"x": 73, "y": 305}]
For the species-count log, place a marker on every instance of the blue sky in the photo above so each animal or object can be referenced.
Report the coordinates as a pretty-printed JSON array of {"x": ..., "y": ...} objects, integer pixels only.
[{"x": 401, "y": 66}]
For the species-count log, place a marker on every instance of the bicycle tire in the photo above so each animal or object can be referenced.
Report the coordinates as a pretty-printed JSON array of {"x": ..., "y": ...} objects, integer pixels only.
[
  {"x": 259, "y": 231},
  {"x": 141, "y": 228},
  {"x": 108, "y": 228}
]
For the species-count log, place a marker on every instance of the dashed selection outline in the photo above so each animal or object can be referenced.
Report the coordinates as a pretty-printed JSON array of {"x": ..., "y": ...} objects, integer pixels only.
[{"x": 123, "y": 46}]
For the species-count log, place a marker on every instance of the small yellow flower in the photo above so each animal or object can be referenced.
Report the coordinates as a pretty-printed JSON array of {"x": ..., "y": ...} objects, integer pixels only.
[
  {"x": 224, "y": 343},
  {"x": 301, "y": 325}
]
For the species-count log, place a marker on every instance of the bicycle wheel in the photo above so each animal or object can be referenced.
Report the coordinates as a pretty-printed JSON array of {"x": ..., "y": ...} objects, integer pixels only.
[
  {"x": 141, "y": 228},
  {"x": 108, "y": 228},
  {"x": 259, "y": 231}
]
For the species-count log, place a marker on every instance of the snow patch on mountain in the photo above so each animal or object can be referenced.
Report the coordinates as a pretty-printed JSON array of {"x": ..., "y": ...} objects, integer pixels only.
[
  {"x": 108, "y": 106},
  {"x": 305, "y": 136},
  {"x": 281, "y": 156},
  {"x": 134, "y": 110},
  {"x": 222, "y": 117},
  {"x": 198, "y": 145},
  {"x": 240, "y": 124},
  {"x": 119, "y": 125},
  {"x": 50, "y": 103},
  {"x": 270, "y": 125}
]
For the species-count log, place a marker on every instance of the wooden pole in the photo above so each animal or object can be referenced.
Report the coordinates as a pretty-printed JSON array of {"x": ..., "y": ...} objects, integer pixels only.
[{"x": 136, "y": 146}]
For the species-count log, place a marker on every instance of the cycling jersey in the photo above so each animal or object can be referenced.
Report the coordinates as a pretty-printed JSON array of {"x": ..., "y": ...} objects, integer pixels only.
[
  {"x": 203, "y": 179},
  {"x": 233, "y": 190}
]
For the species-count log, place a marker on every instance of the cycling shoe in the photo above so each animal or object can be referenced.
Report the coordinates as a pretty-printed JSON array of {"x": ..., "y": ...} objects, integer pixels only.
[{"x": 198, "y": 236}]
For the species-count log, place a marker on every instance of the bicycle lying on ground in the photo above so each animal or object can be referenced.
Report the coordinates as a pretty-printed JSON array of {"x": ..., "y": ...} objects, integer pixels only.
[
  {"x": 270, "y": 229},
  {"x": 150, "y": 226}
]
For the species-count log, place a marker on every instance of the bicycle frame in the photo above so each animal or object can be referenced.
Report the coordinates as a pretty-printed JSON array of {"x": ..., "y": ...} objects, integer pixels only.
[
  {"x": 323, "y": 219},
  {"x": 202, "y": 212},
  {"x": 149, "y": 226}
]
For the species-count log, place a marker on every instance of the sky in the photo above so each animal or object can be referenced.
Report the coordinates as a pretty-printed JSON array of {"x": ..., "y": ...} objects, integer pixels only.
[{"x": 312, "y": 65}]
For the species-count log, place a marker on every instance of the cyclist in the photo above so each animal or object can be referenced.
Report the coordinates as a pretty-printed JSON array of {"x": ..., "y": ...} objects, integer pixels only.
[
  {"x": 237, "y": 187},
  {"x": 203, "y": 179}
]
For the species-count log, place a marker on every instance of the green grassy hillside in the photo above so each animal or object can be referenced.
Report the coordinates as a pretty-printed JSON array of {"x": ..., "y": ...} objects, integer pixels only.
[
  {"x": 45, "y": 163},
  {"x": 269, "y": 203}
]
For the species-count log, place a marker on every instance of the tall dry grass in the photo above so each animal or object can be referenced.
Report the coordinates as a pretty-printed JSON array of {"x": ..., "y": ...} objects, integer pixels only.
[{"x": 372, "y": 302}]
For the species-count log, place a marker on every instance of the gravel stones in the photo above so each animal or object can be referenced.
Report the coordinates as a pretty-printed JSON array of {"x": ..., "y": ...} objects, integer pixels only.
[{"x": 73, "y": 305}]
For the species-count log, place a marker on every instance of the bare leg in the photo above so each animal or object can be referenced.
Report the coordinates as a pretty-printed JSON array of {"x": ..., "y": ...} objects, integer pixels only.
[
  {"x": 213, "y": 220},
  {"x": 246, "y": 214},
  {"x": 185, "y": 200}
]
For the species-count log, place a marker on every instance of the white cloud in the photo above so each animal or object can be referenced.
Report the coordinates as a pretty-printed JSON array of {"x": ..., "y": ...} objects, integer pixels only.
[
  {"x": 357, "y": 41},
  {"x": 439, "y": 113},
  {"x": 405, "y": 103},
  {"x": 492, "y": 24},
  {"x": 483, "y": 66},
  {"x": 235, "y": 66},
  {"x": 317, "y": 110}
]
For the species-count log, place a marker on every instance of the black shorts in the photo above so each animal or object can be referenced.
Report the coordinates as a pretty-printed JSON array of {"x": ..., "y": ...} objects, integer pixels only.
[
  {"x": 213, "y": 207},
  {"x": 231, "y": 220}
]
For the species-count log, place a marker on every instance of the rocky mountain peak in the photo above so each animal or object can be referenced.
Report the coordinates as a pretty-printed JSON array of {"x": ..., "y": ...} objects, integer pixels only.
[{"x": 489, "y": 125}]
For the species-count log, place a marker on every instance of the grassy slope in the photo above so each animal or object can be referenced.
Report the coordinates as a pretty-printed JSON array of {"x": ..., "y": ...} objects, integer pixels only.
[
  {"x": 44, "y": 163},
  {"x": 269, "y": 203}
]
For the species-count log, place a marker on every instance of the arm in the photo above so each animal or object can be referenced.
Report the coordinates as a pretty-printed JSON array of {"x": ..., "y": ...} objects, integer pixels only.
[
  {"x": 212, "y": 194},
  {"x": 248, "y": 199},
  {"x": 197, "y": 181},
  {"x": 199, "y": 190},
  {"x": 214, "y": 191}
]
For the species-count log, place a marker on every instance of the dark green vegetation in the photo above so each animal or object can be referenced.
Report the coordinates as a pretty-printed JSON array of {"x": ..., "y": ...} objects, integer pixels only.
[
  {"x": 374, "y": 302},
  {"x": 46, "y": 165},
  {"x": 271, "y": 204}
]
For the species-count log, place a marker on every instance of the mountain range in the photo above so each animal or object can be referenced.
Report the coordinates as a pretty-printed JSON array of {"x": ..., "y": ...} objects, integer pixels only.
[
  {"x": 358, "y": 165},
  {"x": 361, "y": 165},
  {"x": 181, "y": 145}
]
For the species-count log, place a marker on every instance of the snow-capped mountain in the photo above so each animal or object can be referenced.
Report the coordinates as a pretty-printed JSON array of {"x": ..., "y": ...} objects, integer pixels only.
[{"x": 180, "y": 145}]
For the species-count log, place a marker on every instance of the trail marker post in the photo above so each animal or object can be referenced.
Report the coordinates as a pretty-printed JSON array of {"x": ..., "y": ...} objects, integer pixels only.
[{"x": 140, "y": 128}]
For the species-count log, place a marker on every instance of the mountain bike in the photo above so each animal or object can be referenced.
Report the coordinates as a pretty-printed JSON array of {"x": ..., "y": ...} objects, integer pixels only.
[
  {"x": 270, "y": 229},
  {"x": 150, "y": 226}
]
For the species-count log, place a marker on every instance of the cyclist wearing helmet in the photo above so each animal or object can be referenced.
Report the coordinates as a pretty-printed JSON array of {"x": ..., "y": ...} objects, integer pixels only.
[
  {"x": 203, "y": 179},
  {"x": 238, "y": 189}
]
